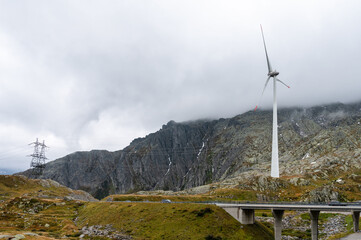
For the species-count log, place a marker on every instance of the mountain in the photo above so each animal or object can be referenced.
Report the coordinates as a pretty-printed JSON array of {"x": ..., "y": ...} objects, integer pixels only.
[
  {"x": 190, "y": 154},
  {"x": 5, "y": 171}
]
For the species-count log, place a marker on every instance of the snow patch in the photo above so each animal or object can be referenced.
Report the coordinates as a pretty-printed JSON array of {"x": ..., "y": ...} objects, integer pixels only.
[
  {"x": 187, "y": 172},
  {"x": 199, "y": 153},
  {"x": 170, "y": 163},
  {"x": 200, "y": 150}
]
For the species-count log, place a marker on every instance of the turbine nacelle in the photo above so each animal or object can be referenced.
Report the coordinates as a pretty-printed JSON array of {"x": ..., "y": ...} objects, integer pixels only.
[{"x": 273, "y": 73}]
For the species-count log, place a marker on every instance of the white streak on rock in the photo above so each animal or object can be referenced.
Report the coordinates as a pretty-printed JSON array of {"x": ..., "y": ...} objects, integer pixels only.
[{"x": 170, "y": 163}]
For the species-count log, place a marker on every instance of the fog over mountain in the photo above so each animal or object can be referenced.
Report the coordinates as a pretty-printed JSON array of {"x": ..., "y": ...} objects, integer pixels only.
[
  {"x": 95, "y": 75},
  {"x": 184, "y": 155}
]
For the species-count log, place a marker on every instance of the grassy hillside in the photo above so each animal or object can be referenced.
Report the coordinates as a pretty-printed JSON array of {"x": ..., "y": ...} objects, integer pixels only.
[
  {"x": 38, "y": 209},
  {"x": 339, "y": 185},
  {"x": 39, "y": 218},
  {"x": 46, "y": 209},
  {"x": 16, "y": 186},
  {"x": 43, "y": 209},
  {"x": 170, "y": 221}
]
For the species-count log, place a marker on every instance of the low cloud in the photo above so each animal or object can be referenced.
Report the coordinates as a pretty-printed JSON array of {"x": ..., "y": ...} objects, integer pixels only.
[{"x": 88, "y": 75}]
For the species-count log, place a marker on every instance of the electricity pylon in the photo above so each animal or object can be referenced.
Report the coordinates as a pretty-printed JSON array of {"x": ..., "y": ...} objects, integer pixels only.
[{"x": 38, "y": 158}]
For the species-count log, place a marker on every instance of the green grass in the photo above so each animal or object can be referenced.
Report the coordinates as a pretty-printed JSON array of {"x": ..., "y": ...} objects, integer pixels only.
[
  {"x": 324, "y": 216},
  {"x": 158, "y": 198},
  {"x": 221, "y": 195},
  {"x": 349, "y": 222},
  {"x": 16, "y": 186},
  {"x": 170, "y": 221},
  {"x": 52, "y": 217},
  {"x": 321, "y": 218},
  {"x": 297, "y": 233},
  {"x": 263, "y": 213}
]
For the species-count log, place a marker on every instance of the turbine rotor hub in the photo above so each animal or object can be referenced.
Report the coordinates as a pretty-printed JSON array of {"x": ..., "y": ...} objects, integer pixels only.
[{"x": 273, "y": 74}]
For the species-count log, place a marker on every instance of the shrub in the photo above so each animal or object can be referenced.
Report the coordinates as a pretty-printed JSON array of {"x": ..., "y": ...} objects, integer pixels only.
[
  {"x": 211, "y": 237},
  {"x": 202, "y": 212}
]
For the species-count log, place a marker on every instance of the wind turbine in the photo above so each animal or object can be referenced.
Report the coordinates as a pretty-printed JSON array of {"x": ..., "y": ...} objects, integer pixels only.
[{"x": 273, "y": 74}]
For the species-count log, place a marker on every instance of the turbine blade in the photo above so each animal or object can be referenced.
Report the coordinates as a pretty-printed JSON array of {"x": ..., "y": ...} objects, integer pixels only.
[
  {"x": 265, "y": 85},
  {"x": 262, "y": 92},
  {"x": 283, "y": 83},
  {"x": 265, "y": 50}
]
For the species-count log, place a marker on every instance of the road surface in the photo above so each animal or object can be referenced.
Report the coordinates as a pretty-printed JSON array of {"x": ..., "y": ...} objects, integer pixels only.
[{"x": 354, "y": 236}]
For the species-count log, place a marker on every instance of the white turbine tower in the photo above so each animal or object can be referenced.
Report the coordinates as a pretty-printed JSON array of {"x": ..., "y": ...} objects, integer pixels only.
[{"x": 273, "y": 74}]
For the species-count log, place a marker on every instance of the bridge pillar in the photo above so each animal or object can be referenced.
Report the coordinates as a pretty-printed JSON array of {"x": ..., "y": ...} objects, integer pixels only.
[
  {"x": 233, "y": 211},
  {"x": 314, "y": 223},
  {"x": 247, "y": 216},
  {"x": 356, "y": 220},
  {"x": 277, "y": 214}
]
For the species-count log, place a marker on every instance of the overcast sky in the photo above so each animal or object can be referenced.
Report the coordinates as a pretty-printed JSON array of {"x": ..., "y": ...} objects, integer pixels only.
[{"x": 87, "y": 74}]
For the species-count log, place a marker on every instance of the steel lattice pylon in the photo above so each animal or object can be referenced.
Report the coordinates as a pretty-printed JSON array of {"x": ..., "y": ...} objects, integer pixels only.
[{"x": 37, "y": 163}]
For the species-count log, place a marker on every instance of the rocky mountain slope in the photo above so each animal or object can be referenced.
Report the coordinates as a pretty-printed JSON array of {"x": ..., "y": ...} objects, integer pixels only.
[{"x": 184, "y": 155}]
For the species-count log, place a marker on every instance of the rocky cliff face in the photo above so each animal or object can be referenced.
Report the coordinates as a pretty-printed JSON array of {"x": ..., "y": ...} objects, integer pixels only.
[{"x": 185, "y": 155}]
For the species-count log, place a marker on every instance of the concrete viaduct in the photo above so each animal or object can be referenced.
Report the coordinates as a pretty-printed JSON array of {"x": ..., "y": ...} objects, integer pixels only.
[{"x": 244, "y": 212}]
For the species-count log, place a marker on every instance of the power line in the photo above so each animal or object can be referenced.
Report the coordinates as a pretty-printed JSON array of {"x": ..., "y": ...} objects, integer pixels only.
[{"x": 16, "y": 151}]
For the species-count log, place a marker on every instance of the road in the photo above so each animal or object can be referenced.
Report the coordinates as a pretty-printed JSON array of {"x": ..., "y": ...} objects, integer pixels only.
[{"x": 354, "y": 236}]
